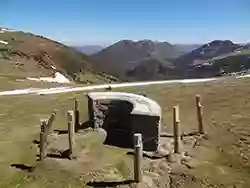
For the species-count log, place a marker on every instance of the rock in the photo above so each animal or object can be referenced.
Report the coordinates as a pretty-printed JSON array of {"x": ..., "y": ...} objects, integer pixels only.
[
  {"x": 164, "y": 168},
  {"x": 188, "y": 141},
  {"x": 163, "y": 152},
  {"x": 185, "y": 158},
  {"x": 191, "y": 164},
  {"x": 148, "y": 181},
  {"x": 174, "y": 158}
]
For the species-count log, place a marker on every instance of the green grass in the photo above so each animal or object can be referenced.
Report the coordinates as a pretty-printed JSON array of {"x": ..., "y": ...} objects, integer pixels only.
[
  {"x": 32, "y": 50},
  {"x": 12, "y": 77},
  {"x": 19, "y": 121},
  {"x": 243, "y": 52},
  {"x": 226, "y": 115},
  {"x": 14, "y": 37}
]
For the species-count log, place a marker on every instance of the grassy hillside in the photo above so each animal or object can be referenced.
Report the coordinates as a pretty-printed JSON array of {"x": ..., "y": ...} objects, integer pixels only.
[
  {"x": 147, "y": 60},
  {"x": 205, "y": 52},
  {"x": 236, "y": 62},
  {"x": 153, "y": 69},
  {"x": 214, "y": 59},
  {"x": 219, "y": 160},
  {"x": 159, "y": 69},
  {"x": 37, "y": 55}
]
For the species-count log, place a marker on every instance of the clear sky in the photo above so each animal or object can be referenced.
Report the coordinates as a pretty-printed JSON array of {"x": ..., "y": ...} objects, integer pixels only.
[{"x": 81, "y": 22}]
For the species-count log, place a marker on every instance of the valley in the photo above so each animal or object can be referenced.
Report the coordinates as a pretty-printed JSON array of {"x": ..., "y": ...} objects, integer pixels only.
[{"x": 147, "y": 60}]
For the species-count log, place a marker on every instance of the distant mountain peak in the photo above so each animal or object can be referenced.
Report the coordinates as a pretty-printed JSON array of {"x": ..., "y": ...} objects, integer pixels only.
[
  {"x": 145, "y": 41},
  {"x": 220, "y": 42},
  {"x": 126, "y": 54},
  {"x": 124, "y": 42},
  {"x": 213, "y": 49}
]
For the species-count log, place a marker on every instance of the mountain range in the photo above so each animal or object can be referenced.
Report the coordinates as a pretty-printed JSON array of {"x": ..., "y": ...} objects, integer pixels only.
[
  {"x": 149, "y": 60},
  {"x": 93, "y": 49},
  {"x": 125, "y": 55},
  {"x": 126, "y": 60}
]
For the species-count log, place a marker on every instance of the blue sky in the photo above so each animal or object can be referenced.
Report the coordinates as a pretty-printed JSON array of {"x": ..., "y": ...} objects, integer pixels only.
[{"x": 81, "y": 22}]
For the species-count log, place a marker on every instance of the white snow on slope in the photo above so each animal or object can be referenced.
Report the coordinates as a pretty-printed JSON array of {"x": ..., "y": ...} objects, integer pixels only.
[
  {"x": 53, "y": 67},
  {"x": 244, "y": 76},
  {"x": 3, "y": 42},
  {"x": 30, "y": 90},
  {"x": 7, "y": 30},
  {"x": 59, "y": 78}
]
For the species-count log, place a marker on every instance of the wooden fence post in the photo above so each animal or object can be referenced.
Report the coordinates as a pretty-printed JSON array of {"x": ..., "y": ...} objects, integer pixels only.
[
  {"x": 71, "y": 131},
  {"x": 50, "y": 121},
  {"x": 176, "y": 131},
  {"x": 42, "y": 140},
  {"x": 138, "y": 148},
  {"x": 76, "y": 114},
  {"x": 199, "y": 114}
]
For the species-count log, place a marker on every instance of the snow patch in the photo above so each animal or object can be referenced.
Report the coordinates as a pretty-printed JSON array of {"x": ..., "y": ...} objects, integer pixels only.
[
  {"x": 17, "y": 92},
  {"x": 53, "y": 67},
  {"x": 3, "y": 42},
  {"x": 197, "y": 80},
  {"x": 244, "y": 76},
  {"x": 29, "y": 91},
  {"x": 59, "y": 78},
  {"x": 7, "y": 30}
]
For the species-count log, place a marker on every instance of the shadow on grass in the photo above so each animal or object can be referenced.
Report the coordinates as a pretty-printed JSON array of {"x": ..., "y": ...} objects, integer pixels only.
[
  {"x": 23, "y": 167},
  {"x": 103, "y": 184},
  {"x": 84, "y": 125},
  {"x": 166, "y": 135},
  {"x": 56, "y": 156},
  {"x": 60, "y": 155},
  {"x": 195, "y": 133},
  {"x": 61, "y": 131},
  {"x": 149, "y": 156},
  {"x": 37, "y": 142}
]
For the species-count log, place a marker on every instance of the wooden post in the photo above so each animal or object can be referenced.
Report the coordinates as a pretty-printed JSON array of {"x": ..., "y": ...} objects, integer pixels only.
[
  {"x": 71, "y": 132},
  {"x": 91, "y": 111},
  {"x": 76, "y": 114},
  {"x": 42, "y": 140},
  {"x": 199, "y": 114},
  {"x": 176, "y": 131},
  {"x": 138, "y": 148},
  {"x": 50, "y": 121}
]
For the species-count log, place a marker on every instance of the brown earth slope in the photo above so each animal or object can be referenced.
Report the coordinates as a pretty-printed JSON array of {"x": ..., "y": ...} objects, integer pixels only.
[{"x": 38, "y": 54}]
